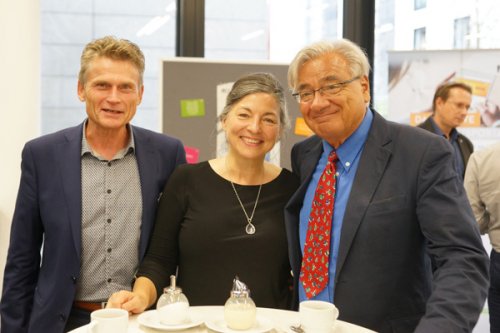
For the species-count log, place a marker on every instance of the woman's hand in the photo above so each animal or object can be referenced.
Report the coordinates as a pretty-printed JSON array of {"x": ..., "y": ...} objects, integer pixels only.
[
  {"x": 136, "y": 301},
  {"x": 133, "y": 302}
]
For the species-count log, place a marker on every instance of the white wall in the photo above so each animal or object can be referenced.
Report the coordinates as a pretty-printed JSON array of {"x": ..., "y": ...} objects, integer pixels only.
[{"x": 20, "y": 97}]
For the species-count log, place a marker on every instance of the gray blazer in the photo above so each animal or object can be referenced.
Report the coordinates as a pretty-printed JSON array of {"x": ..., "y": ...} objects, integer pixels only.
[{"x": 406, "y": 206}]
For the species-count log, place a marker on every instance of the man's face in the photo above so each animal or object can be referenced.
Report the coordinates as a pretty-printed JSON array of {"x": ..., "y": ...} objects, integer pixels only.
[
  {"x": 452, "y": 112},
  {"x": 333, "y": 118},
  {"x": 111, "y": 92}
]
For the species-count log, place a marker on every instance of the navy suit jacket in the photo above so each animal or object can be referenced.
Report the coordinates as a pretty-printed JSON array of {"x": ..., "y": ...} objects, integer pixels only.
[
  {"x": 39, "y": 290},
  {"x": 406, "y": 205}
]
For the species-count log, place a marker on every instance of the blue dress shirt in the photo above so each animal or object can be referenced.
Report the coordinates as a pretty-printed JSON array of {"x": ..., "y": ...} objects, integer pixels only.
[{"x": 349, "y": 154}]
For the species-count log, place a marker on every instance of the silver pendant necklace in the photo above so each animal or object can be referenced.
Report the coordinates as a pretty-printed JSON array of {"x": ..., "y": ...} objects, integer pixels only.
[{"x": 250, "y": 228}]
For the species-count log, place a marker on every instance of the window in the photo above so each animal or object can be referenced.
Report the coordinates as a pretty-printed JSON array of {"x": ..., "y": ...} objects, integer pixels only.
[
  {"x": 419, "y": 38},
  {"x": 68, "y": 25},
  {"x": 258, "y": 29},
  {"x": 244, "y": 29},
  {"x": 419, "y": 4},
  {"x": 395, "y": 23},
  {"x": 461, "y": 37}
]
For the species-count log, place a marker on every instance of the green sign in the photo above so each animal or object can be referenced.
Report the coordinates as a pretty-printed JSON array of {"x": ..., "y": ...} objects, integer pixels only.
[{"x": 192, "y": 108}]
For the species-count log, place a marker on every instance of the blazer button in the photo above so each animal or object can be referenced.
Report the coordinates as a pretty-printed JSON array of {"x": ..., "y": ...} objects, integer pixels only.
[{"x": 73, "y": 278}]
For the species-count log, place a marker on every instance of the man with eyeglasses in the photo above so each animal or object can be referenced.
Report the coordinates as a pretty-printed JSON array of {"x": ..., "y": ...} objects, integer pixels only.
[
  {"x": 449, "y": 108},
  {"x": 377, "y": 200}
]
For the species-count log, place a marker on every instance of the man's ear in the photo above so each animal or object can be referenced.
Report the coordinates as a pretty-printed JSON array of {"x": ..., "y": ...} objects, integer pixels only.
[
  {"x": 439, "y": 102},
  {"x": 81, "y": 91},
  {"x": 141, "y": 93},
  {"x": 365, "y": 84}
]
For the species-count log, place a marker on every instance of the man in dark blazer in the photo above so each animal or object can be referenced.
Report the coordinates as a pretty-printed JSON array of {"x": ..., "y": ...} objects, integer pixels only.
[
  {"x": 449, "y": 108},
  {"x": 87, "y": 200},
  {"x": 398, "y": 201}
]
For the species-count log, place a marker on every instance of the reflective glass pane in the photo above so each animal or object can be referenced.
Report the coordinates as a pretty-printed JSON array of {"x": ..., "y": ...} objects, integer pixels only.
[
  {"x": 268, "y": 29},
  {"x": 433, "y": 25},
  {"x": 66, "y": 26}
]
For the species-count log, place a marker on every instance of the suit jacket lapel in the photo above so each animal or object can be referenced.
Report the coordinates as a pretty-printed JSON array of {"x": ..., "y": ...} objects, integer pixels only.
[
  {"x": 69, "y": 151},
  {"x": 309, "y": 159},
  {"x": 307, "y": 166},
  {"x": 465, "y": 151},
  {"x": 374, "y": 159},
  {"x": 148, "y": 168}
]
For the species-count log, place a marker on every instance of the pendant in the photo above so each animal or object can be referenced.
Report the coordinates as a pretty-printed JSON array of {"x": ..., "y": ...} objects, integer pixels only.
[{"x": 250, "y": 229}]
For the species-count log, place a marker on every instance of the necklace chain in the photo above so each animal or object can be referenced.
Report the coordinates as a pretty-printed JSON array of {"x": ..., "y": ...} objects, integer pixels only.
[{"x": 250, "y": 228}]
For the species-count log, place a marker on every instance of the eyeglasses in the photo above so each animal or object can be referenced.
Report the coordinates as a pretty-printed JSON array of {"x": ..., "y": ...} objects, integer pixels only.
[{"x": 330, "y": 90}]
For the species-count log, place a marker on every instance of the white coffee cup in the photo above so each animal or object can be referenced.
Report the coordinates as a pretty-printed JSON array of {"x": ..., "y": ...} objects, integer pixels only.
[
  {"x": 317, "y": 316},
  {"x": 108, "y": 320}
]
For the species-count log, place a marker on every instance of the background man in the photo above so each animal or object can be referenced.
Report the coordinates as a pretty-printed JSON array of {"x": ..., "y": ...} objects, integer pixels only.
[
  {"x": 396, "y": 202},
  {"x": 482, "y": 184},
  {"x": 87, "y": 199},
  {"x": 449, "y": 108}
]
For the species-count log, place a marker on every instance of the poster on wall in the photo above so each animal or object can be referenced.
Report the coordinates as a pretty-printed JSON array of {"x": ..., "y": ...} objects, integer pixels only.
[{"x": 415, "y": 75}]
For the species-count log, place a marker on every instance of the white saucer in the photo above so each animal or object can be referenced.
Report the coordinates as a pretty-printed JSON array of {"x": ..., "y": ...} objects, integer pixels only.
[
  {"x": 151, "y": 319},
  {"x": 261, "y": 325}
]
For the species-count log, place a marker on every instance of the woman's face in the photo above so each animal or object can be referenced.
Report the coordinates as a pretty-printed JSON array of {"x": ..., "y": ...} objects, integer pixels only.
[{"x": 252, "y": 126}]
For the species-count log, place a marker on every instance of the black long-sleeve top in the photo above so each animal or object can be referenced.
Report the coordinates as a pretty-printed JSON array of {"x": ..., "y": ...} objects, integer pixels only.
[{"x": 200, "y": 228}]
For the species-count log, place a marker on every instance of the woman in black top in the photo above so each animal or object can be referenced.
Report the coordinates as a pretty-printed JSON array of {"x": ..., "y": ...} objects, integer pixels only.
[{"x": 224, "y": 217}]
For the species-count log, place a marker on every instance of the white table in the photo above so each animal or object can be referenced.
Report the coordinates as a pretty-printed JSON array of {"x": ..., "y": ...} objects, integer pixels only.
[{"x": 280, "y": 321}]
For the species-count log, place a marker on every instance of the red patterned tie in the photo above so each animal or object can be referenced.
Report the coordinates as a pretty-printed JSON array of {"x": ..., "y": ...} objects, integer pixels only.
[{"x": 314, "y": 270}]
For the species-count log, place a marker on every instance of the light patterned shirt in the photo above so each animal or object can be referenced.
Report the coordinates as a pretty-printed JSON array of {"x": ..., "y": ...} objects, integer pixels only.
[
  {"x": 111, "y": 222},
  {"x": 482, "y": 184}
]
